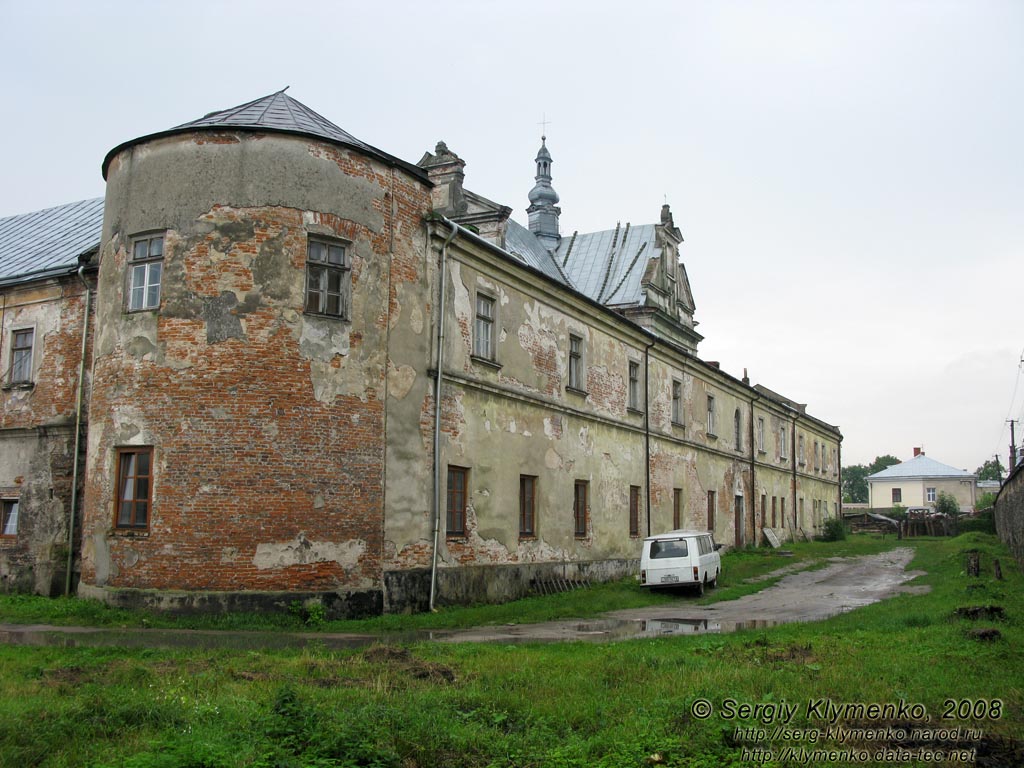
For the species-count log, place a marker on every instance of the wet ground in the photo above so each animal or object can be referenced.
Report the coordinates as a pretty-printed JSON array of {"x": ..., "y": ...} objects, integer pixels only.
[{"x": 806, "y": 595}]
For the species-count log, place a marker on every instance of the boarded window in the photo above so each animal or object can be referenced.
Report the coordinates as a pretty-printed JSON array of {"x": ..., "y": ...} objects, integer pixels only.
[
  {"x": 634, "y": 510},
  {"x": 527, "y": 505},
  {"x": 579, "y": 508},
  {"x": 456, "y": 517}
]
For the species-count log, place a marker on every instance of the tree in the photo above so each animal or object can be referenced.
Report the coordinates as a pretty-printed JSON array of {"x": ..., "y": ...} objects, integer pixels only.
[
  {"x": 882, "y": 462},
  {"x": 948, "y": 506},
  {"x": 990, "y": 470},
  {"x": 855, "y": 484}
]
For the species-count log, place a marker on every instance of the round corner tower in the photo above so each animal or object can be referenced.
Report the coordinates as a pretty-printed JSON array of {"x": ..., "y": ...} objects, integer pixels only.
[{"x": 249, "y": 268}]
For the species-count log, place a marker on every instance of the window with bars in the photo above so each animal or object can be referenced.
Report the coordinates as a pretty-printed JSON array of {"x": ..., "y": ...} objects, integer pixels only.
[
  {"x": 579, "y": 508},
  {"x": 527, "y": 506},
  {"x": 328, "y": 279},
  {"x": 145, "y": 272},
  {"x": 456, "y": 507},
  {"x": 134, "y": 487},
  {"x": 483, "y": 336},
  {"x": 634, "y": 510}
]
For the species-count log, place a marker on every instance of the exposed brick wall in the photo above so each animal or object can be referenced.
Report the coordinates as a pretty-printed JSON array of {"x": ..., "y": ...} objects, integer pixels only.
[
  {"x": 267, "y": 425},
  {"x": 37, "y": 432}
]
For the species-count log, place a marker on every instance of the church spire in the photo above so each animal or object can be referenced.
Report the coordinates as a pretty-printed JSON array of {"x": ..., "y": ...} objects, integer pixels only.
[{"x": 543, "y": 210}]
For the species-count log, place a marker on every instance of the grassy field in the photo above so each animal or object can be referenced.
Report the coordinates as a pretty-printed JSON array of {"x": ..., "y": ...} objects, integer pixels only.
[{"x": 634, "y": 703}]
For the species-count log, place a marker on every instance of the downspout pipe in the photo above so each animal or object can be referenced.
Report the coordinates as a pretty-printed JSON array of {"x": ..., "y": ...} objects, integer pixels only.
[
  {"x": 754, "y": 498},
  {"x": 443, "y": 280},
  {"x": 647, "y": 433},
  {"x": 795, "y": 459},
  {"x": 78, "y": 433}
]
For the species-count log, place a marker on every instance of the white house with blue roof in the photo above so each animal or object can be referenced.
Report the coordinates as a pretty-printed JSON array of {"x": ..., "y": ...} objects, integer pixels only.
[{"x": 918, "y": 483}]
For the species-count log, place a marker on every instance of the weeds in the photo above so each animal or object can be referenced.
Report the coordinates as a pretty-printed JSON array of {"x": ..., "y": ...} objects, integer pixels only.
[{"x": 564, "y": 705}]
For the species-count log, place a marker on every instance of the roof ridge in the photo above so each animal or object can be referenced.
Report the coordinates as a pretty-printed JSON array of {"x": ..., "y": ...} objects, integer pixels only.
[{"x": 629, "y": 270}]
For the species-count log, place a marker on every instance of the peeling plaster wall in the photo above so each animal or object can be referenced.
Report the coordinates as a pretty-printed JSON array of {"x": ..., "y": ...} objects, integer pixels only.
[
  {"x": 37, "y": 432},
  {"x": 513, "y": 416},
  {"x": 267, "y": 424}
]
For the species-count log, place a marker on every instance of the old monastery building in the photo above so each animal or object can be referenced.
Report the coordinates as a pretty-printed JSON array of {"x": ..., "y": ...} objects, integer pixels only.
[{"x": 277, "y": 363}]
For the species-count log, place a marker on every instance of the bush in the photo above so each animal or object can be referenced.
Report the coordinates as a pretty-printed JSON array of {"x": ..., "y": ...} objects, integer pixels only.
[
  {"x": 985, "y": 522},
  {"x": 834, "y": 530}
]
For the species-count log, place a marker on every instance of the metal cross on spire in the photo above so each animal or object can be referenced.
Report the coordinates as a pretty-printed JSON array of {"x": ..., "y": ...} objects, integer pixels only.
[{"x": 544, "y": 126}]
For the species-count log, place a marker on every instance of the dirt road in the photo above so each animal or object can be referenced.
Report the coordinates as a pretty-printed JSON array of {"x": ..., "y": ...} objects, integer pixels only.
[
  {"x": 845, "y": 584},
  {"x": 805, "y": 595}
]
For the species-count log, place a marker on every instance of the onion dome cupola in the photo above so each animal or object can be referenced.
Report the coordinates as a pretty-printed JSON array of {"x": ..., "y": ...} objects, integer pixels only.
[{"x": 543, "y": 210}]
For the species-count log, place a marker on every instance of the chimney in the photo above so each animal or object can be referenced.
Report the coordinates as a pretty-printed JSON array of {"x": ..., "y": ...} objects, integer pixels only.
[
  {"x": 918, "y": 452},
  {"x": 746, "y": 378},
  {"x": 444, "y": 168}
]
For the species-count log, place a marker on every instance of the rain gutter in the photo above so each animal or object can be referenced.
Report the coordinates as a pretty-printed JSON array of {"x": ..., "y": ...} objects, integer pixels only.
[{"x": 78, "y": 433}]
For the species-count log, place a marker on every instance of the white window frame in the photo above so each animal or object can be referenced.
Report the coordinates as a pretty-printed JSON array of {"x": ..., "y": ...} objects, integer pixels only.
[
  {"x": 145, "y": 272},
  {"x": 930, "y": 495}
]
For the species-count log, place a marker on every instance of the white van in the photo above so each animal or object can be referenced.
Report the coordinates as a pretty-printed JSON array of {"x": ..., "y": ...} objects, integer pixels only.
[{"x": 680, "y": 559}]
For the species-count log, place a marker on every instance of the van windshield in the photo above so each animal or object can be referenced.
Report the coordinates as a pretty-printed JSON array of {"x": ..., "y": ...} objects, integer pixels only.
[{"x": 674, "y": 548}]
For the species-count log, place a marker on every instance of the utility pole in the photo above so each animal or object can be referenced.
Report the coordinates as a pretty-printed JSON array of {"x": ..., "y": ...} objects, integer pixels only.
[{"x": 1013, "y": 446}]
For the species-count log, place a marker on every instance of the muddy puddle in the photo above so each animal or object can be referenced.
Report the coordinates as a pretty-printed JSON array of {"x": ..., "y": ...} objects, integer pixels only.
[{"x": 809, "y": 595}]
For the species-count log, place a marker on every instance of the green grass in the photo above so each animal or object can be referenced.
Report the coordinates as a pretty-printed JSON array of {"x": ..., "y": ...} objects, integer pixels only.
[
  {"x": 737, "y": 568},
  {"x": 574, "y": 704}
]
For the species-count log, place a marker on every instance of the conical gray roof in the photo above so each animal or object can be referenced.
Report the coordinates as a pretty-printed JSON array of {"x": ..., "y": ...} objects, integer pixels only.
[{"x": 278, "y": 113}]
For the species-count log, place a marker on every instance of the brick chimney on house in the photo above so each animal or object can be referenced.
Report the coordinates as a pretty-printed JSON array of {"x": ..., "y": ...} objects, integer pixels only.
[{"x": 918, "y": 452}]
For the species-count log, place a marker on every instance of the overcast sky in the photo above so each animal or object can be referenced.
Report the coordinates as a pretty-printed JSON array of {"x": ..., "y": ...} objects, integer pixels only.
[{"x": 848, "y": 176}]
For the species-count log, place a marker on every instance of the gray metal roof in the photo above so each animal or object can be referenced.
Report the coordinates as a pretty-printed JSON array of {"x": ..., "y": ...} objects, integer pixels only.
[
  {"x": 49, "y": 241},
  {"x": 523, "y": 244},
  {"x": 279, "y": 113},
  {"x": 920, "y": 466},
  {"x": 609, "y": 266}
]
